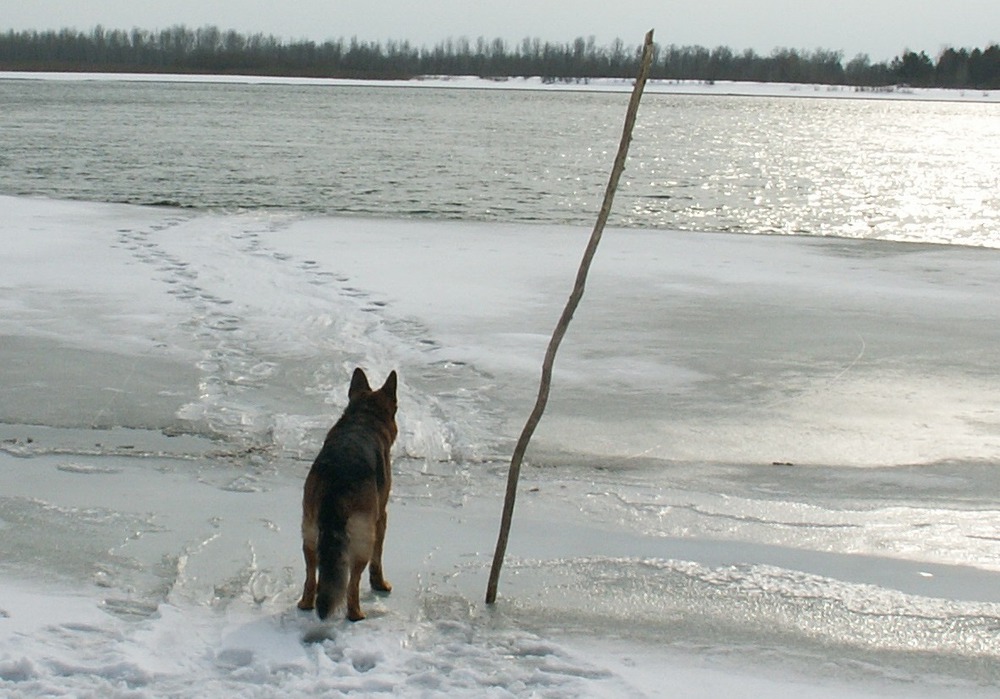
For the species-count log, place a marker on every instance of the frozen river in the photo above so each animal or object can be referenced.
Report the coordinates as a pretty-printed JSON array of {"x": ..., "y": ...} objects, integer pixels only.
[{"x": 768, "y": 463}]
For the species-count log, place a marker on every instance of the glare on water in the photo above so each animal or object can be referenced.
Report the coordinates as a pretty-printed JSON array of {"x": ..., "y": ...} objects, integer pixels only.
[{"x": 896, "y": 170}]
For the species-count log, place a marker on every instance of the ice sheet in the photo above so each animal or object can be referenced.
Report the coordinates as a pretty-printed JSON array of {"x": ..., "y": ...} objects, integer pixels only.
[{"x": 767, "y": 467}]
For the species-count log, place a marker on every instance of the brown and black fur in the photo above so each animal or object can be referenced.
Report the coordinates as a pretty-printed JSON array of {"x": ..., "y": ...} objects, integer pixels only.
[{"x": 344, "y": 504}]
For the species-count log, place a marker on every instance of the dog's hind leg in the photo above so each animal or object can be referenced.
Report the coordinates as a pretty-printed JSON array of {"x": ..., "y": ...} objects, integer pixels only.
[
  {"x": 375, "y": 573},
  {"x": 354, "y": 612},
  {"x": 310, "y": 541},
  {"x": 361, "y": 542}
]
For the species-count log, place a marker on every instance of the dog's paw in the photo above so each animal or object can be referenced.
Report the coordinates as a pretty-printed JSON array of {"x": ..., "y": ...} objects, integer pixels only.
[{"x": 378, "y": 582}]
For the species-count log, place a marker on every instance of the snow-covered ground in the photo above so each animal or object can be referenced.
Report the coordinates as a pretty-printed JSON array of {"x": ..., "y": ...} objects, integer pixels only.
[
  {"x": 669, "y": 87},
  {"x": 768, "y": 467}
]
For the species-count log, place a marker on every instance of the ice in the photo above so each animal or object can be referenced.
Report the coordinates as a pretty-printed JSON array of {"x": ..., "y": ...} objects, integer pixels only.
[
  {"x": 674, "y": 87},
  {"x": 767, "y": 467},
  {"x": 804, "y": 352}
]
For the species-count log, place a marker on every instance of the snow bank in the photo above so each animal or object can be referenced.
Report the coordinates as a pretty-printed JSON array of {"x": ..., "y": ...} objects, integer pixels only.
[{"x": 667, "y": 87}]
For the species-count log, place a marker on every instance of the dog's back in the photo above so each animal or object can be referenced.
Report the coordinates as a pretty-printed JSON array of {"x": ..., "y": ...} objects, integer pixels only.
[{"x": 344, "y": 503}]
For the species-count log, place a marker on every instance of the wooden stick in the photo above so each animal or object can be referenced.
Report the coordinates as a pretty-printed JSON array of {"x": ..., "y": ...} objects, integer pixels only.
[{"x": 567, "y": 315}]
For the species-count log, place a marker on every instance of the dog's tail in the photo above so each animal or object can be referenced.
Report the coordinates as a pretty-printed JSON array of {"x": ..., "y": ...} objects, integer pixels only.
[{"x": 332, "y": 554}]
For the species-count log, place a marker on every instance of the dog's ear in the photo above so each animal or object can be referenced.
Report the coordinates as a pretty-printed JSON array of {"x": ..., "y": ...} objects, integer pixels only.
[
  {"x": 359, "y": 383},
  {"x": 389, "y": 387}
]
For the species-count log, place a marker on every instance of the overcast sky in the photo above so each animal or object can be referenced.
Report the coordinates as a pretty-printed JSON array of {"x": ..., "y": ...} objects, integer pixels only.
[{"x": 880, "y": 28}]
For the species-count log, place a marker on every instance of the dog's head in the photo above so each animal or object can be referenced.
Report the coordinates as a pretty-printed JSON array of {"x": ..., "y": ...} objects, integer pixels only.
[{"x": 383, "y": 400}]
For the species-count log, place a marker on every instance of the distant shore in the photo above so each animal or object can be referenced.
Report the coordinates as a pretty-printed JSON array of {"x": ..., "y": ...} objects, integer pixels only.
[{"x": 669, "y": 87}]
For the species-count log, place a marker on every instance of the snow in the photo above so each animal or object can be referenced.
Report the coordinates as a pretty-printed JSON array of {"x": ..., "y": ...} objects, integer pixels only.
[
  {"x": 767, "y": 466},
  {"x": 667, "y": 87}
]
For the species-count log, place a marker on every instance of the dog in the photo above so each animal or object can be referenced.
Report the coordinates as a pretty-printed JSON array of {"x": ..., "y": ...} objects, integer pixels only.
[{"x": 344, "y": 501}]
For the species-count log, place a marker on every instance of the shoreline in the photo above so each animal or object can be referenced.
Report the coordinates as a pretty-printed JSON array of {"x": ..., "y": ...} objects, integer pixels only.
[{"x": 611, "y": 85}]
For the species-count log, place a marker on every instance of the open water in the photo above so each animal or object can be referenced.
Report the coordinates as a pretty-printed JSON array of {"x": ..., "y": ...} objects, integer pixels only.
[{"x": 896, "y": 170}]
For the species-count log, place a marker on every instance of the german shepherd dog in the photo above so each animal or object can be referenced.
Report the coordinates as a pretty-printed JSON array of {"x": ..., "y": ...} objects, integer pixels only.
[{"x": 344, "y": 504}]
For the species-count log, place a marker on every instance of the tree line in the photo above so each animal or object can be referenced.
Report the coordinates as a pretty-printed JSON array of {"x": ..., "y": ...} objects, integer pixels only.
[{"x": 208, "y": 49}]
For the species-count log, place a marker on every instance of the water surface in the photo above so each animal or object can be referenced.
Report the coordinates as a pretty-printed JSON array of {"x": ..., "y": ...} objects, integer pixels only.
[{"x": 896, "y": 170}]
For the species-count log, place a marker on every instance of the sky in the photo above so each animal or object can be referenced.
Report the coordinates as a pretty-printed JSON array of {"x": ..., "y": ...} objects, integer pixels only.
[{"x": 880, "y": 28}]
